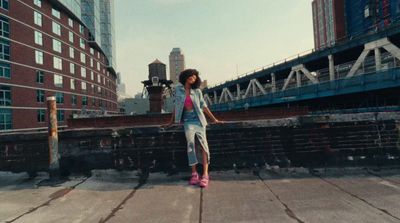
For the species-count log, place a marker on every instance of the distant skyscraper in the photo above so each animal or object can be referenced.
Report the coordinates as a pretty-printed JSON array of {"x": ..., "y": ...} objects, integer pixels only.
[
  {"x": 121, "y": 88},
  {"x": 98, "y": 16},
  {"x": 176, "y": 64},
  {"x": 203, "y": 84},
  {"x": 107, "y": 30},
  {"x": 328, "y": 22}
]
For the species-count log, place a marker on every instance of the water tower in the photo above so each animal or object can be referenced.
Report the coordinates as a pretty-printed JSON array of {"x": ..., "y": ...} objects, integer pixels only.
[{"x": 156, "y": 85}]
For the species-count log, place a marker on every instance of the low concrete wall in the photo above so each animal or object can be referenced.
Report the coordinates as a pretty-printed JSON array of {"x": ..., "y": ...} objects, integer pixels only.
[{"x": 309, "y": 141}]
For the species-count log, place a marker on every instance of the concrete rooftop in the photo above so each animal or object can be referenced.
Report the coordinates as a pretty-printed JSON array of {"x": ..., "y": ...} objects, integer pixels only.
[{"x": 277, "y": 195}]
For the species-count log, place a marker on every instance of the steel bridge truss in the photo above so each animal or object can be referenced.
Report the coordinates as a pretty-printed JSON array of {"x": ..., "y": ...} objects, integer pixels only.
[{"x": 386, "y": 58}]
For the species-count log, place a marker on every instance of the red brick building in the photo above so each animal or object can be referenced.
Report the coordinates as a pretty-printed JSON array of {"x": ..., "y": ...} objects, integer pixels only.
[
  {"x": 328, "y": 22},
  {"x": 45, "y": 50}
]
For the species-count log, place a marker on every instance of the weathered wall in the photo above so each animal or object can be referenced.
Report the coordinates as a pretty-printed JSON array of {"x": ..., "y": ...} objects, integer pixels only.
[
  {"x": 157, "y": 119},
  {"x": 309, "y": 141}
]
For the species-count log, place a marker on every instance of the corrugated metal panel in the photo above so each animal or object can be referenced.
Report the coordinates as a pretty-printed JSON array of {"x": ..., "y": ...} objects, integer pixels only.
[
  {"x": 395, "y": 11},
  {"x": 339, "y": 17},
  {"x": 361, "y": 16},
  {"x": 369, "y": 16}
]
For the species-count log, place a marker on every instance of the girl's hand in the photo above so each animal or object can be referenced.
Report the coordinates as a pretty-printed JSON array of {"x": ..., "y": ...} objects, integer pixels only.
[
  {"x": 216, "y": 121},
  {"x": 169, "y": 124}
]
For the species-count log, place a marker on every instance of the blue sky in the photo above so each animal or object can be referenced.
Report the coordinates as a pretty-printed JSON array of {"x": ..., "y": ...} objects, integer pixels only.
[{"x": 220, "y": 38}]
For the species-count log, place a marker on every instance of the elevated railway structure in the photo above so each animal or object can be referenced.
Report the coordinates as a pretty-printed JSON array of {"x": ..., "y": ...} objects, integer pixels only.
[{"x": 362, "y": 72}]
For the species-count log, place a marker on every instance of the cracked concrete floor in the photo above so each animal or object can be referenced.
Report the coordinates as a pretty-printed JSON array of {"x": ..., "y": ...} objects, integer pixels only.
[{"x": 295, "y": 195}]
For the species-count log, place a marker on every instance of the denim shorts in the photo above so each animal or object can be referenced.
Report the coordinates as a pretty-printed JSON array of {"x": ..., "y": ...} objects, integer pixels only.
[{"x": 193, "y": 128}]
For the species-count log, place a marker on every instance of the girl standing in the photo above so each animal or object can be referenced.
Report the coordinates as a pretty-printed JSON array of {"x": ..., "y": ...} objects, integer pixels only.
[{"x": 190, "y": 109}]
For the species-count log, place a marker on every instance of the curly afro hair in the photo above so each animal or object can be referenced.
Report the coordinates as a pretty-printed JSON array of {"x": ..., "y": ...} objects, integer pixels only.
[{"x": 184, "y": 75}]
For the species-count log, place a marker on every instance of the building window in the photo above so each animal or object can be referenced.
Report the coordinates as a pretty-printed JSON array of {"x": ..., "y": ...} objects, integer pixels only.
[
  {"x": 98, "y": 66},
  {"x": 40, "y": 96},
  {"x": 39, "y": 76},
  {"x": 5, "y": 70},
  {"x": 81, "y": 29},
  {"x": 41, "y": 115},
  {"x": 37, "y": 18},
  {"x": 98, "y": 89},
  {"x": 59, "y": 98},
  {"x": 71, "y": 36},
  {"x": 4, "y": 4},
  {"x": 56, "y": 28},
  {"x": 91, "y": 62},
  {"x": 38, "y": 38},
  {"x": 367, "y": 12},
  {"x": 70, "y": 22},
  {"x": 91, "y": 75},
  {"x": 5, "y": 119},
  {"x": 57, "y": 63},
  {"x": 4, "y": 27},
  {"x": 98, "y": 78},
  {"x": 5, "y": 96},
  {"x": 93, "y": 90},
  {"x": 83, "y": 72},
  {"x": 56, "y": 13},
  {"x": 38, "y": 57},
  {"x": 73, "y": 100},
  {"x": 72, "y": 68},
  {"x": 84, "y": 100},
  {"x": 72, "y": 84},
  {"x": 94, "y": 101},
  {"x": 71, "y": 52},
  {"x": 4, "y": 50},
  {"x": 82, "y": 43},
  {"x": 83, "y": 84},
  {"x": 38, "y": 3},
  {"x": 58, "y": 80},
  {"x": 83, "y": 58},
  {"x": 60, "y": 115},
  {"x": 56, "y": 45},
  {"x": 92, "y": 51}
]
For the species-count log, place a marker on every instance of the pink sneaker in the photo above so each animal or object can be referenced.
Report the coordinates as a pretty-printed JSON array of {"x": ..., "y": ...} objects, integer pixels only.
[
  {"x": 204, "y": 181},
  {"x": 195, "y": 179}
]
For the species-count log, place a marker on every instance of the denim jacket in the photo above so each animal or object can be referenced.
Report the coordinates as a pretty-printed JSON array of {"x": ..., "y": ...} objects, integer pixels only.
[{"x": 198, "y": 103}]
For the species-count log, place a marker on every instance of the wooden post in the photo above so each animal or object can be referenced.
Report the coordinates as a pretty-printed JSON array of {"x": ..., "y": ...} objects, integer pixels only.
[{"x": 54, "y": 165}]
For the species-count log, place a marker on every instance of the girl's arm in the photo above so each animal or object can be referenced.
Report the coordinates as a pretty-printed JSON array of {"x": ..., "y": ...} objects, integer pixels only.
[
  {"x": 171, "y": 121},
  {"x": 207, "y": 111},
  {"x": 172, "y": 117},
  {"x": 210, "y": 115}
]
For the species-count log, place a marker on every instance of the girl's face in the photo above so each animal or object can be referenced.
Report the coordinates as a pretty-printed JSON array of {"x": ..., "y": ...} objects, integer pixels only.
[{"x": 191, "y": 79}]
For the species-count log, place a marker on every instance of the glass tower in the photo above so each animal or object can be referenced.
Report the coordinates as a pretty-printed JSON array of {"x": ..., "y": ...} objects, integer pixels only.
[
  {"x": 107, "y": 30},
  {"x": 74, "y": 6},
  {"x": 98, "y": 16}
]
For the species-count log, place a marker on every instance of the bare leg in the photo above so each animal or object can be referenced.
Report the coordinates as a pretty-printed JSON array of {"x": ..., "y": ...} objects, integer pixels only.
[
  {"x": 205, "y": 163},
  {"x": 194, "y": 169}
]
